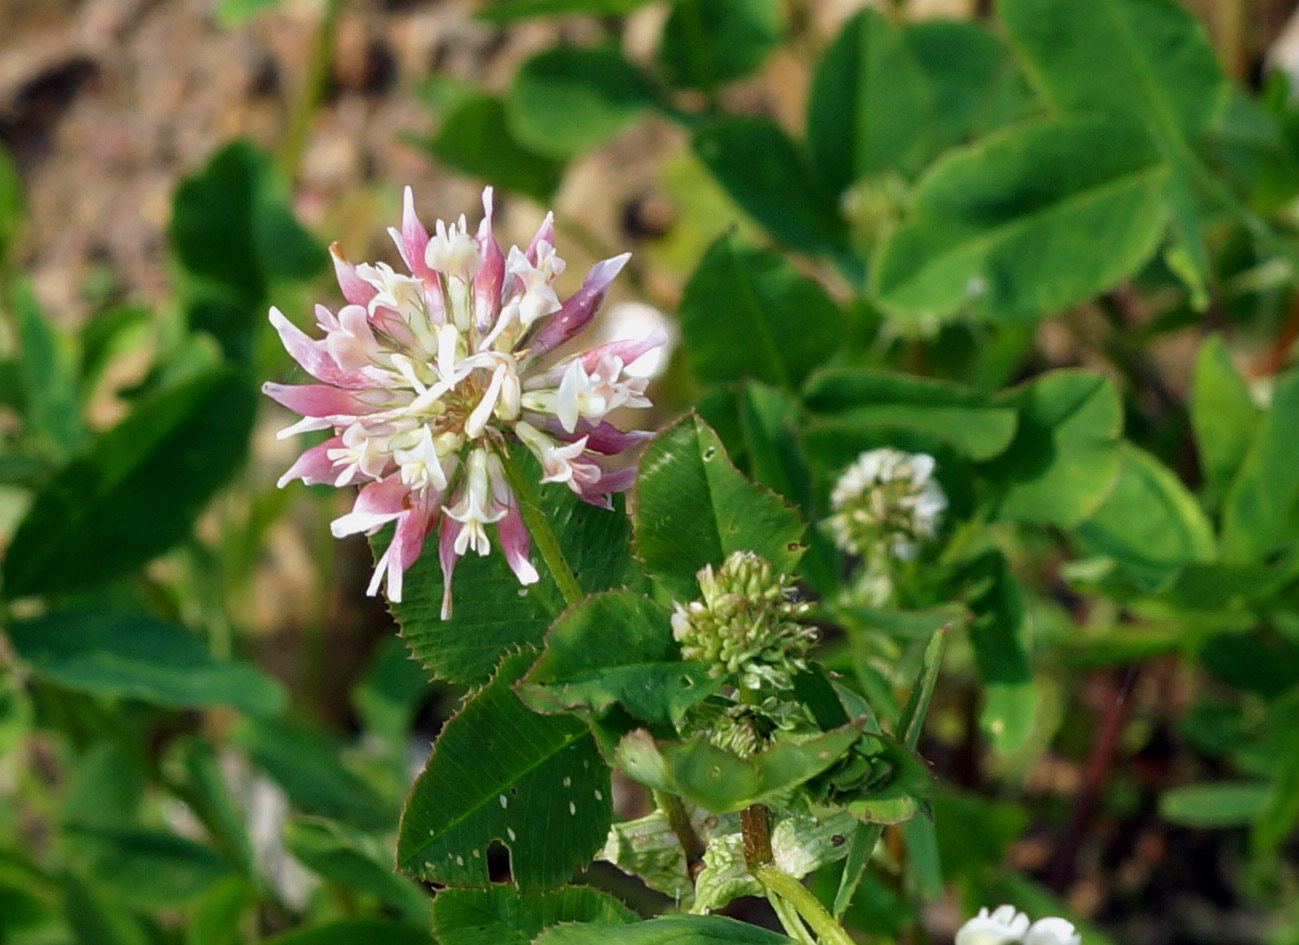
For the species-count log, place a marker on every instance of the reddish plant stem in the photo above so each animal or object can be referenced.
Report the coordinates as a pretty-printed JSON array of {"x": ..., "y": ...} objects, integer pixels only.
[
  {"x": 755, "y": 822},
  {"x": 1278, "y": 353},
  {"x": 1061, "y": 869},
  {"x": 966, "y": 762}
]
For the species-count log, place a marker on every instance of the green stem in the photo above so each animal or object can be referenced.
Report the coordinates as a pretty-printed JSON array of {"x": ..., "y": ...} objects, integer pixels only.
[
  {"x": 541, "y": 531},
  {"x": 310, "y": 92},
  {"x": 700, "y": 52},
  {"x": 790, "y": 920},
  {"x": 777, "y": 881},
  {"x": 1233, "y": 38},
  {"x": 1259, "y": 228},
  {"x": 965, "y": 536},
  {"x": 679, "y": 820}
]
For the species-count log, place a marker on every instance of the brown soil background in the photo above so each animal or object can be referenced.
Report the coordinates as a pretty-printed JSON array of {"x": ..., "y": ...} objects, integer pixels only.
[{"x": 106, "y": 104}]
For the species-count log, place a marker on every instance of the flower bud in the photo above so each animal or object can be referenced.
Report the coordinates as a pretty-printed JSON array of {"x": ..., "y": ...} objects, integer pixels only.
[{"x": 746, "y": 626}]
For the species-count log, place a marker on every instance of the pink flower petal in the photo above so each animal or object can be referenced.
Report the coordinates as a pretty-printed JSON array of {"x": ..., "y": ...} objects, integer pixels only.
[
  {"x": 377, "y": 504},
  {"x": 355, "y": 289},
  {"x": 515, "y": 542},
  {"x": 317, "y": 400},
  {"x": 603, "y": 437},
  {"x": 413, "y": 527},
  {"x": 448, "y": 558},
  {"x": 628, "y": 351},
  {"x": 491, "y": 272},
  {"x": 408, "y": 540},
  {"x": 314, "y": 465},
  {"x": 414, "y": 240},
  {"x": 389, "y": 323},
  {"x": 353, "y": 346},
  {"x": 600, "y": 492},
  {"x": 576, "y": 313},
  {"x": 313, "y": 355},
  {"x": 545, "y": 234}
]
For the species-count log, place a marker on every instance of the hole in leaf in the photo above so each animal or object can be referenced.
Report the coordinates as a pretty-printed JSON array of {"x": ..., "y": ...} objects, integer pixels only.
[{"x": 498, "y": 862}]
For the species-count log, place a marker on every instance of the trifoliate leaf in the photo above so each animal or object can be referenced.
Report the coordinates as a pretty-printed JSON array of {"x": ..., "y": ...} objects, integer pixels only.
[{"x": 501, "y": 773}]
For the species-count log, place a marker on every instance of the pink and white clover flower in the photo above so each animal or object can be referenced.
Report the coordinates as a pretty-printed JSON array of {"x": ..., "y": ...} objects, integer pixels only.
[{"x": 428, "y": 378}]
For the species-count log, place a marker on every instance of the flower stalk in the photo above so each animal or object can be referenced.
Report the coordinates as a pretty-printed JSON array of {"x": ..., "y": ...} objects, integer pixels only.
[
  {"x": 755, "y": 824},
  {"x": 541, "y": 531},
  {"x": 790, "y": 920},
  {"x": 311, "y": 92},
  {"x": 779, "y": 883},
  {"x": 679, "y": 820}
]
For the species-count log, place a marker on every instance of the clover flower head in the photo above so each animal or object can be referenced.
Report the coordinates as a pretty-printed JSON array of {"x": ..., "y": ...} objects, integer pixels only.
[
  {"x": 746, "y": 624},
  {"x": 874, "y": 204},
  {"x": 1052, "y": 931},
  {"x": 1007, "y": 926},
  {"x": 429, "y": 377},
  {"x": 886, "y": 499}
]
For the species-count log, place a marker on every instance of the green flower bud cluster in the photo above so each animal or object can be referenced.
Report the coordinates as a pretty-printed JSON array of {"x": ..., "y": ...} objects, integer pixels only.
[
  {"x": 875, "y": 205},
  {"x": 745, "y": 728},
  {"x": 737, "y": 732},
  {"x": 746, "y": 626}
]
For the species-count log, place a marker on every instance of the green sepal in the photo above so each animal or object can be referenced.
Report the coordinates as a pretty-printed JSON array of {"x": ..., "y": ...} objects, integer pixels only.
[
  {"x": 879, "y": 780},
  {"x": 721, "y": 781}
]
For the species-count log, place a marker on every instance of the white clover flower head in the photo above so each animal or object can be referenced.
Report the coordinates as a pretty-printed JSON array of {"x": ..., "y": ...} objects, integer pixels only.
[
  {"x": 746, "y": 624},
  {"x": 1007, "y": 926},
  {"x": 1003, "y": 926},
  {"x": 428, "y": 378},
  {"x": 886, "y": 499},
  {"x": 1052, "y": 931}
]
